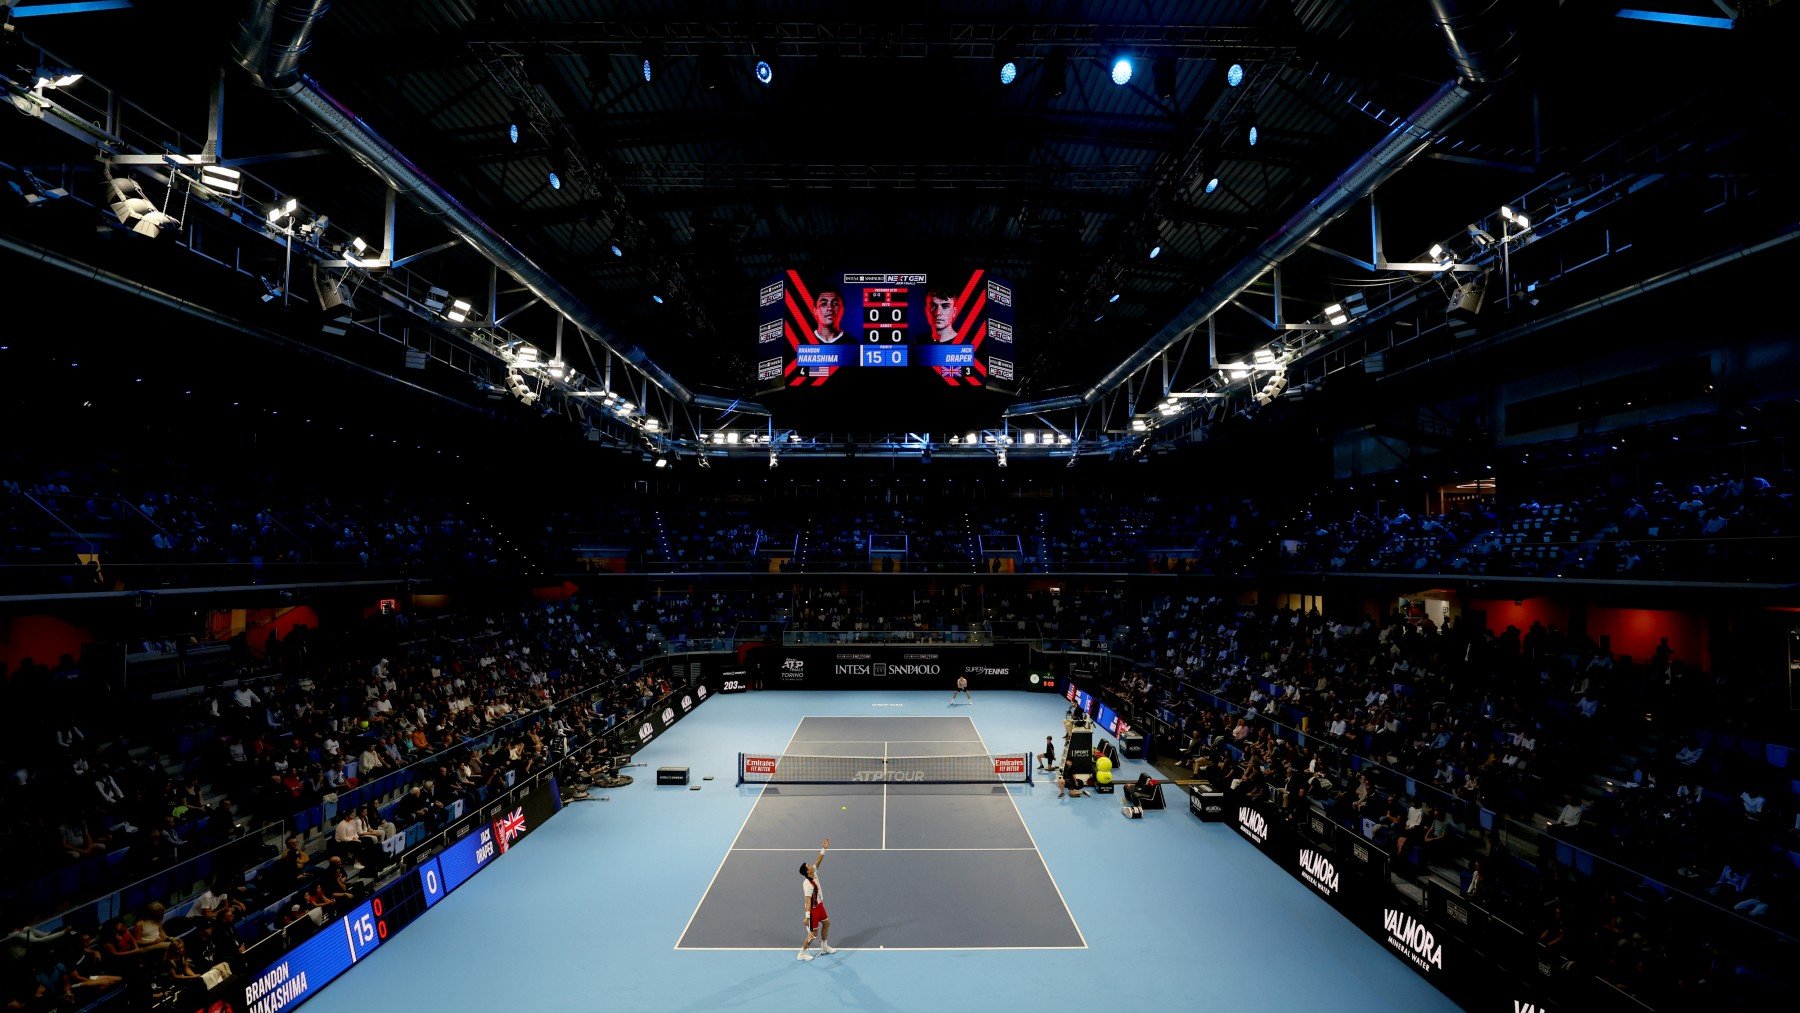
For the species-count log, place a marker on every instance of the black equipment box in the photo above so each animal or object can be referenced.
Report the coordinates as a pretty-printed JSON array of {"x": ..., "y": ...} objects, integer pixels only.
[
  {"x": 1132, "y": 744},
  {"x": 671, "y": 775},
  {"x": 1207, "y": 804}
]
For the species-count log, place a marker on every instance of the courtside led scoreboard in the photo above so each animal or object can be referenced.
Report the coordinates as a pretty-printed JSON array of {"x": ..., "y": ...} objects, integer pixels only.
[{"x": 957, "y": 326}]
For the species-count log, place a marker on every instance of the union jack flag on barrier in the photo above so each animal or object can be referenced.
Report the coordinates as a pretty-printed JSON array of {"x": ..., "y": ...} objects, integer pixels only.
[{"x": 508, "y": 828}]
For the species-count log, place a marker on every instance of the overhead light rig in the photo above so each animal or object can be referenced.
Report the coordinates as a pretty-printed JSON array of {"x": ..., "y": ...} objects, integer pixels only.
[{"x": 211, "y": 207}]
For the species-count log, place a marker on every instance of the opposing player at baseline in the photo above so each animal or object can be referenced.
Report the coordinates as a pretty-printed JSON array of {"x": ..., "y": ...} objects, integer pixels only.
[
  {"x": 962, "y": 686},
  {"x": 818, "y": 922}
]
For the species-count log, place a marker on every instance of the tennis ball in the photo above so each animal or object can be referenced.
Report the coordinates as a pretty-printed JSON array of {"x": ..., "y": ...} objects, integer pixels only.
[{"x": 844, "y": 808}]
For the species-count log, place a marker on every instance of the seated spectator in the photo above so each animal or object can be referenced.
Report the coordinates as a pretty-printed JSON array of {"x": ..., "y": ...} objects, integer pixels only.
[
  {"x": 149, "y": 929},
  {"x": 219, "y": 902},
  {"x": 1570, "y": 816},
  {"x": 119, "y": 944}
]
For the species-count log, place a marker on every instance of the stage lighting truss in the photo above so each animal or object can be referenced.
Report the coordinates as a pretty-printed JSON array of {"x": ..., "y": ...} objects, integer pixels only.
[{"x": 130, "y": 200}]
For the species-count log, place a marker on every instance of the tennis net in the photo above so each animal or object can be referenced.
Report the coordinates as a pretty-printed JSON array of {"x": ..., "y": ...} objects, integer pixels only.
[{"x": 983, "y": 768}]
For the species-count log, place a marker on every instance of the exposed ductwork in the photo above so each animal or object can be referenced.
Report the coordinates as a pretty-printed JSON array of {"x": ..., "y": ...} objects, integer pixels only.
[
  {"x": 272, "y": 38},
  {"x": 1482, "y": 57}
]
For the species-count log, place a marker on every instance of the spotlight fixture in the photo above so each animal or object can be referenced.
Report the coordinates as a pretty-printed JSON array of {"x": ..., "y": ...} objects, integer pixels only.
[
  {"x": 1155, "y": 251},
  {"x": 436, "y": 299},
  {"x": 1121, "y": 71},
  {"x": 765, "y": 74},
  {"x": 1515, "y": 217},
  {"x": 1253, "y": 137},
  {"x": 646, "y": 69},
  {"x": 512, "y": 132},
  {"x": 35, "y": 191},
  {"x": 361, "y": 254},
  {"x": 1212, "y": 184},
  {"x": 662, "y": 462},
  {"x": 219, "y": 179},
  {"x": 55, "y": 77},
  {"x": 1009, "y": 72},
  {"x": 655, "y": 298},
  {"x": 284, "y": 209},
  {"x": 459, "y": 311},
  {"x": 134, "y": 210},
  {"x": 1114, "y": 298},
  {"x": 555, "y": 180},
  {"x": 616, "y": 251},
  {"x": 1235, "y": 75}
]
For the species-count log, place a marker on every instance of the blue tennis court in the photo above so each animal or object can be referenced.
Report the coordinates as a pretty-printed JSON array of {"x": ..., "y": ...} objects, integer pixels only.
[
  {"x": 655, "y": 901},
  {"x": 912, "y": 866}
]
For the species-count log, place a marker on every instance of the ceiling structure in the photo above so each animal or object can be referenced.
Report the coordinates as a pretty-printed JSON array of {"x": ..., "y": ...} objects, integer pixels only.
[{"x": 885, "y": 136}]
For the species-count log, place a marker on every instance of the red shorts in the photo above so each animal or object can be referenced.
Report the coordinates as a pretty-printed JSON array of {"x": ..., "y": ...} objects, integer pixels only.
[{"x": 818, "y": 915}]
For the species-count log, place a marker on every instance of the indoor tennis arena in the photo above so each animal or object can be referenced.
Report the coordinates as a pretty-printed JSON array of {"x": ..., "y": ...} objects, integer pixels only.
[{"x": 1235, "y": 504}]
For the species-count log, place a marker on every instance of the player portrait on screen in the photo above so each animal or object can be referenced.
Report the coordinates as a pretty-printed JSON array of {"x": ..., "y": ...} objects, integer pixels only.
[
  {"x": 940, "y": 310},
  {"x": 828, "y": 309}
]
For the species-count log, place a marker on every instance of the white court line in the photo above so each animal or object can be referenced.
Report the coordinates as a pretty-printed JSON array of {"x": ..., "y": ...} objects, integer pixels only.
[
  {"x": 847, "y": 949},
  {"x": 865, "y": 949},
  {"x": 836, "y": 850},
  {"x": 727, "y": 858},
  {"x": 870, "y": 742},
  {"x": 884, "y": 758},
  {"x": 1059, "y": 894}
]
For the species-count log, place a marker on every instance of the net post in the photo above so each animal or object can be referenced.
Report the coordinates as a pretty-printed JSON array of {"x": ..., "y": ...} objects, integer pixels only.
[
  {"x": 1029, "y": 779},
  {"x": 740, "y": 777}
]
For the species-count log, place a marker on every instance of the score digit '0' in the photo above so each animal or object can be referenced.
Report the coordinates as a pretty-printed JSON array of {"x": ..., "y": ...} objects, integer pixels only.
[{"x": 884, "y": 315}]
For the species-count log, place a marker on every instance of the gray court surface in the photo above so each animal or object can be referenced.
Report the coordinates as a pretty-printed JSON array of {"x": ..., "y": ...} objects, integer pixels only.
[{"x": 911, "y": 866}]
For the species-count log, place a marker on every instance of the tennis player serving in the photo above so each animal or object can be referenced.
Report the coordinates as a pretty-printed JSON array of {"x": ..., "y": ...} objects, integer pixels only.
[{"x": 818, "y": 923}]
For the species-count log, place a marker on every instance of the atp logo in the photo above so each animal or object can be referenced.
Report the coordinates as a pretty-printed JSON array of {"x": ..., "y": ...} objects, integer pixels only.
[
  {"x": 687, "y": 703},
  {"x": 646, "y": 732},
  {"x": 668, "y": 716},
  {"x": 700, "y": 692}
]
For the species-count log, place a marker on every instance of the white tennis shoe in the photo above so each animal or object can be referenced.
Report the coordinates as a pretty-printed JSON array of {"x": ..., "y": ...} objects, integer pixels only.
[
  {"x": 828, "y": 948},
  {"x": 803, "y": 955}
]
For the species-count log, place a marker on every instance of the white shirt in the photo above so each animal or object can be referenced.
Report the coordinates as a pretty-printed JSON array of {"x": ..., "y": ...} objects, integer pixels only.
[{"x": 808, "y": 890}]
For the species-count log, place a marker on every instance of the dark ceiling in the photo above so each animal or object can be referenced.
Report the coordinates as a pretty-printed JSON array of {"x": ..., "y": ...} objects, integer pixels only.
[{"x": 886, "y": 138}]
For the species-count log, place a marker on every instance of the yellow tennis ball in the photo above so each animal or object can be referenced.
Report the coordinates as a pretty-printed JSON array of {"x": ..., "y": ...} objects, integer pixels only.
[{"x": 844, "y": 808}]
